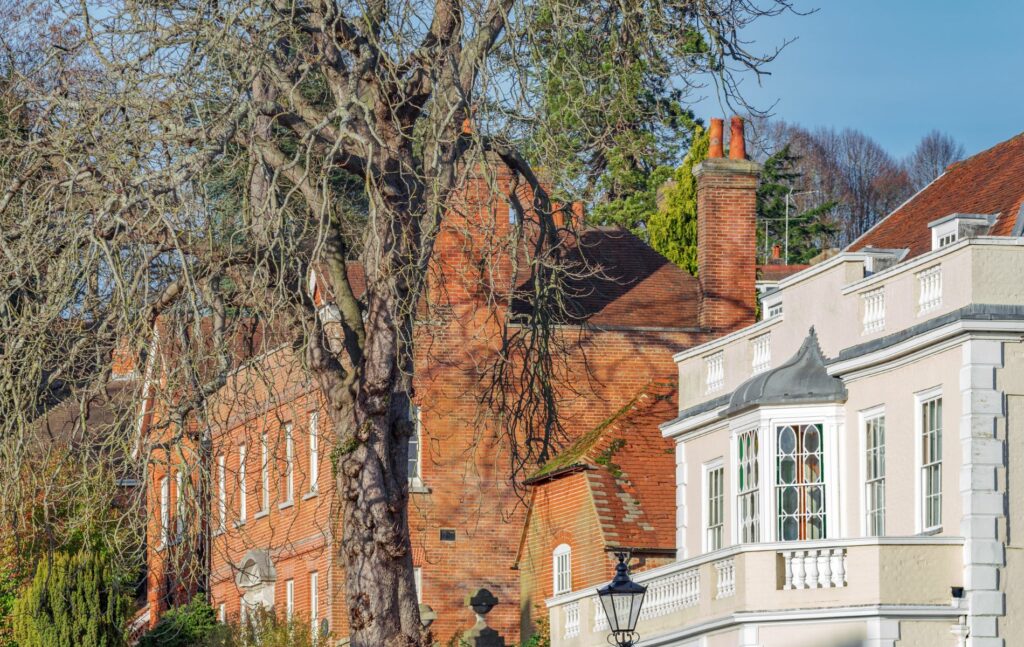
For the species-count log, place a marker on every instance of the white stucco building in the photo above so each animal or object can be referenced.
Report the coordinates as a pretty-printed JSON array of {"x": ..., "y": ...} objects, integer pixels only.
[{"x": 850, "y": 469}]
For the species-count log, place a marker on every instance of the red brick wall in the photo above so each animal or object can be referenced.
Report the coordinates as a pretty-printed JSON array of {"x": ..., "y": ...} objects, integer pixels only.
[
  {"x": 562, "y": 512},
  {"x": 727, "y": 242}
]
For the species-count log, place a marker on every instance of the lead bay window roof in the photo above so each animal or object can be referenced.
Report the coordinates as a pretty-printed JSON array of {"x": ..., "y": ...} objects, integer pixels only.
[{"x": 801, "y": 380}]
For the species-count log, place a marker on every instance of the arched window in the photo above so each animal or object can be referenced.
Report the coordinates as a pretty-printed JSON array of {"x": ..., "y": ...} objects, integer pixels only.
[{"x": 562, "y": 568}]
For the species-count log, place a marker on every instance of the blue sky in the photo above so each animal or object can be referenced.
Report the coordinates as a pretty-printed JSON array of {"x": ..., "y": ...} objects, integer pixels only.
[{"x": 896, "y": 69}]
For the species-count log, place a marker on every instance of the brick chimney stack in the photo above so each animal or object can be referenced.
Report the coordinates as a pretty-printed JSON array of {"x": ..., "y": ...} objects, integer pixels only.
[{"x": 726, "y": 232}]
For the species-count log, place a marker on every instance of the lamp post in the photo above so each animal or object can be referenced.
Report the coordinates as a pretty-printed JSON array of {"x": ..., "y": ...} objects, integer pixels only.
[{"x": 621, "y": 600}]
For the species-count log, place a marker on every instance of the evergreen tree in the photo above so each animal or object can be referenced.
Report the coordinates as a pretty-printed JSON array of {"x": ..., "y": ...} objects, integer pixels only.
[
  {"x": 673, "y": 227},
  {"x": 811, "y": 229},
  {"x": 73, "y": 601}
]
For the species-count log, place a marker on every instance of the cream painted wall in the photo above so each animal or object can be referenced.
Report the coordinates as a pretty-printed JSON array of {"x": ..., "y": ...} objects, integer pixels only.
[
  {"x": 925, "y": 634},
  {"x": 817, "y": 634},
  {"x": 894, "y": 390},
  {"x": 699, "y": 452}
]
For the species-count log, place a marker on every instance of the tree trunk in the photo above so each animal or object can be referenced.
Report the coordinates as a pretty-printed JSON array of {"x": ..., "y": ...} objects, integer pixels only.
[{"x": 372, "y": 427}]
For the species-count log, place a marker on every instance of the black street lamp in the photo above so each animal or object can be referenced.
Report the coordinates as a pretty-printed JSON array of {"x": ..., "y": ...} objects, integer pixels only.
[{"x": 622, "y": 599}]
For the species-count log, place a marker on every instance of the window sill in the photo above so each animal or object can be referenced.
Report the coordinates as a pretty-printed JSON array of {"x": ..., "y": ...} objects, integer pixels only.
[
  {"x": 239, "y": 523},
  {"x": 310, "y": 495},
  {"x": 261, "y": 514},
  {"x": 930, "y": 532},
  {"x": 416, "y": 486},
  {"x": 218, "y": 532},
  {"x": 285, "y": 504}
]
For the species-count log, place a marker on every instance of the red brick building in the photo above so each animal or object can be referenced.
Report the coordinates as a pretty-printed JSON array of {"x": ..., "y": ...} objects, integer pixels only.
[
  {"x": 613, "y": 489},
  {"x": 263, "y": 477}
]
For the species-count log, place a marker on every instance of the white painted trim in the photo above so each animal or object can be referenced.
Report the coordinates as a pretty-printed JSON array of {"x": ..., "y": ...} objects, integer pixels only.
[
  {"x": 1003, "y": 330},
  {"x": 705, "y": 468},
  {"x": 920, "y": 398},
  {"x": 677, "y": 428},
  {"x": 681, "y": 508},
  {"x": 863, "y": 416}
]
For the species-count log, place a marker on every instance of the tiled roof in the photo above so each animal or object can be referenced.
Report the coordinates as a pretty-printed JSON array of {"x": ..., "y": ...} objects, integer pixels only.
[
  {"x": 631, "y": 471},
  {"x": 778, "y": 272},
  {"x": 636, "y": 286},
  {"x": 991, "y": 182},
  {"x": 621, "y": 282}
]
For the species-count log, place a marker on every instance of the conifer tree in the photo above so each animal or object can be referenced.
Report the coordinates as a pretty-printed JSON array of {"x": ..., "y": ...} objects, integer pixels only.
[
  {"x": 673, "y": 228},
  {"x": 810, "y": 226},
  {"x": 73, "y": 601}
]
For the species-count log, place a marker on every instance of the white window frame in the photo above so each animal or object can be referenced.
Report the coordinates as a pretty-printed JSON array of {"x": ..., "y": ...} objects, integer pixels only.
[
  {"x": 417, "y": 575},
  {"x": 716, "y": 465},
  {"x": 289, "y": 466},
  {"x": 736, "y": 493},
  {"x": 866, "y": 417},
  {"x": 714, "y": 372},
  {"x": 314, "y": 452},
  {"x": 222, "y": 613},
  {"x": 945, "y": 234},
  {"x": 264, "y": 474},
  {"x": 222, "y": 493},
  {"x": 243, "y": 496},
  {"x": 314, "y": 603},
  {"x": 165, "y": 510},
  {"x": 289, "y": 599},
  {"x": 561, "y": 569},
  {"x": 920, "y": 398},
  {"x": 416, "y": 480}
]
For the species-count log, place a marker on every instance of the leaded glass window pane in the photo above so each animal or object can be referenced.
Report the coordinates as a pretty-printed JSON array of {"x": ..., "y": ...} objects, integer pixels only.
[
  {"x": 800, "y": 483},
  {"x": 748, "y": 495}
]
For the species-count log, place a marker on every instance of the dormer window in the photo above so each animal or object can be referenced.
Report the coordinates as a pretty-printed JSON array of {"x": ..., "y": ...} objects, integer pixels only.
[{"x": 948, "y": 230}]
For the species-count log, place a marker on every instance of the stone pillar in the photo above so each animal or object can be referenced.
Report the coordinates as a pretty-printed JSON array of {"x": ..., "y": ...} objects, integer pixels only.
[{"x": 980, "y": 492}]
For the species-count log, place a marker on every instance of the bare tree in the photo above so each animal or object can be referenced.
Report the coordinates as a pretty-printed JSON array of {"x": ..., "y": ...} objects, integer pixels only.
[
  {"x": 933, "y": 154},
  {"x": 845, "y": 166},
  {"x": 176, "y": 168}
]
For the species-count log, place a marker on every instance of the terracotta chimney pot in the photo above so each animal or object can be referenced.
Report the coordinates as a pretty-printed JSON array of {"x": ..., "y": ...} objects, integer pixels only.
[
  {"x": 715, "y": 134},
  {"x": 776, "y": 252},
  {"x": 737, "y": 145}
]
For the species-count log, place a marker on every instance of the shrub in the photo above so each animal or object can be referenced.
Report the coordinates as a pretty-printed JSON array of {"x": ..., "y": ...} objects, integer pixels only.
[
  {"x": 73, "y": 601},
  {"x": 187, "y": 626}
]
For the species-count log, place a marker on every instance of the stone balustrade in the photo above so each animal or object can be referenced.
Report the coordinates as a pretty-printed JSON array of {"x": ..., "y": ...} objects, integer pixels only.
[{"x": 772, "y": 577}]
